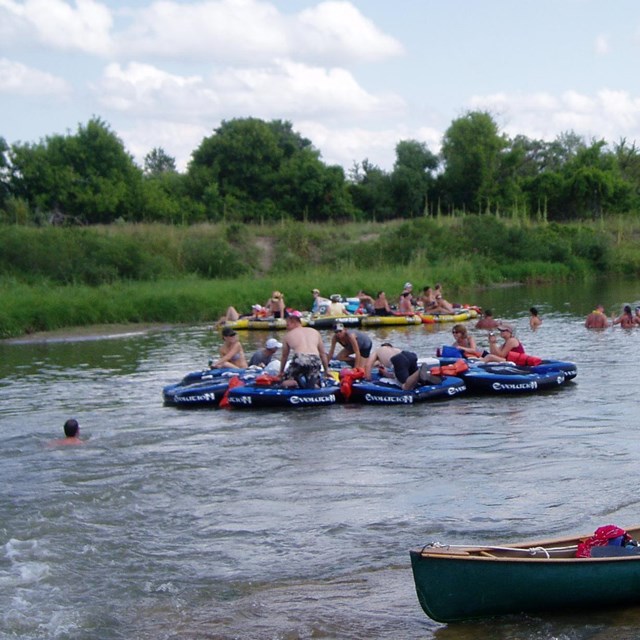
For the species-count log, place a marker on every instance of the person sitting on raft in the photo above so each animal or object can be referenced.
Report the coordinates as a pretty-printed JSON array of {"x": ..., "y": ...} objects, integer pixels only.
[
  {"x": 262, "y": 357},
  {"x": 381, "y": 305},
  {"x": 275, "y": 305},
  {"x": 231, "y": 352},
  {"x": 258, "y": 312},
  {"x": 404, "y": 305},
  {"x": 464, "y": 342},
  {"x": 511, "y": 343}
]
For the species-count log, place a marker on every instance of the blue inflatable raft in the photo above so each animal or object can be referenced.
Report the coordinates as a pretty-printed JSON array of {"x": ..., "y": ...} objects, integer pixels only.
[
  {"x": 382, "y": 392},
  {"x": 253, "y": 395}
]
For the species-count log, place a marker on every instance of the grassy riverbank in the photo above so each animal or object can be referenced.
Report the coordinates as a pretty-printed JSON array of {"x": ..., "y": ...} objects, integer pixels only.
[{"x": 52, "y": 278}]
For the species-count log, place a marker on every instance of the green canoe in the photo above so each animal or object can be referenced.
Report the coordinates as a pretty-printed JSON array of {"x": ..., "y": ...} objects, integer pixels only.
[{"x": 456, "y": 583}]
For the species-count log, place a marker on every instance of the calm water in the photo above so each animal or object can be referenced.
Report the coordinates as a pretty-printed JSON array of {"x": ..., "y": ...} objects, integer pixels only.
[{"x": 297, "y": 524}]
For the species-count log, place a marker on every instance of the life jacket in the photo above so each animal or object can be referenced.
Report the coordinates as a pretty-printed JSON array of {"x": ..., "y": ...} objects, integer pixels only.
[
  {"x": 523, "y": 360},
  {"x": 347, "y": 378},
  {"x": 458, "y": 367},
  {"x": 602, "y": 537},
  {"x": 264, "y": 379},
  {"x": 234, "y": 382}
]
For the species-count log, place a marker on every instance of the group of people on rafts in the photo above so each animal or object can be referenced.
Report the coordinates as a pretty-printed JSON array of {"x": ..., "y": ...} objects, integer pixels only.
[
  {"x": 429, "y": 301},
  {"x": 305, "y": 359}
]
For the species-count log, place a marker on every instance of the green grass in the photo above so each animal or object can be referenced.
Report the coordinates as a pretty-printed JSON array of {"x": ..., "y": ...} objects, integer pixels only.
[{"x": 51, "y": 278}]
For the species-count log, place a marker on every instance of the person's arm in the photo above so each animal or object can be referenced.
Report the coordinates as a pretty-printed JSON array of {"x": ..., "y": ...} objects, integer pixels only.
[
  {"x": 332, "y": 348},
  {"x": 323, "y": 354},
  {"x": 285, "y": 356},
  {"x": 371, "y": 360},
  {"x": 354, "y": 346}
]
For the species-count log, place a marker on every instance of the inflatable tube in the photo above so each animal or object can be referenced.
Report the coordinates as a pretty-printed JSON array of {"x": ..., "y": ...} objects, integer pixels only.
[
  {"x": 327, "y": 322},
  {"x": 383, "y": 321},
  {"x": 507, "y": 378},
  {"x": 208, "y": 374},
  {"x": 271, "y": 324},
  {"x": 253, "y": 396},
  {"x": 381, "y": 392},
  {"x": 569, "y": 369},
  {"x": 458, "y": 316},
  {"x": 200, "y": 394}
]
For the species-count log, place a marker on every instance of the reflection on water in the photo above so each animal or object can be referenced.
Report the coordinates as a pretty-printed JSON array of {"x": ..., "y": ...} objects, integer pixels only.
[{"x": 293, "y": 524}]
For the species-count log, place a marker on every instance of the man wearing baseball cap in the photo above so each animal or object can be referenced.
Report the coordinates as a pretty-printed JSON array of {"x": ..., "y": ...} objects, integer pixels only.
[
  {"x": 262, "y": 357},
  {"x": 356, "y": 345}
]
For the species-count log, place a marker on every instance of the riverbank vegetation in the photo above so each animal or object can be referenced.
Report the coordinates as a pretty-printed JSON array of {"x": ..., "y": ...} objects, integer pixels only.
[
  {"x": 87, "y": 236},
  {"x": 55, "y": 277}
]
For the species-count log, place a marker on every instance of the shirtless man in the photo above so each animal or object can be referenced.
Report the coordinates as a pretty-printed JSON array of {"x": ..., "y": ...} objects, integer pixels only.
[
  {"x": 71, "y": 432},
  {"x": 597, "y": 319},
  {"x": 487, "y": 321},
  {"x": 393, "y": 362},
  {"x": 309, "y": 355}
]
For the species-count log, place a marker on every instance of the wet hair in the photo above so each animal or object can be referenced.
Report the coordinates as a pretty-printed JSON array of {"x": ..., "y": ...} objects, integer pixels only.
[
  {"x": 533, "y": 311},
  {"x": 627, "y": 309},
  {"x": 71, "y": 427},
  {"x": 488, "y": 312},
  {"x": 386, "y": 344}
]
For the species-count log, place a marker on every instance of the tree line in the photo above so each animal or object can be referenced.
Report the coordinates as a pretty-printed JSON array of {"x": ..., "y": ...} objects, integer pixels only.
[{"x": 250, "y": 170}]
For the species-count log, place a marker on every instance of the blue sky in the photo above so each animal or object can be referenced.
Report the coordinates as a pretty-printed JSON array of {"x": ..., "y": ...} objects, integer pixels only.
[{"x": 355, "y": 77}]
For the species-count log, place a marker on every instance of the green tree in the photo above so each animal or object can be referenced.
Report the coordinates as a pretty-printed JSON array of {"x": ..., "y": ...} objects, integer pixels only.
[
  {"x": 371, "y": 191},
  {"x": 411, "y": 178},
  {"x": 253, "y": 170},
  {"x": 158, "y": 162},
  {"x": 471, "y": 151},
  {"x": 86, "y": 177}
]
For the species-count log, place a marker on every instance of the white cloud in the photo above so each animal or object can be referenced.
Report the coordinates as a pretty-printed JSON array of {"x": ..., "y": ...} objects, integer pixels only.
[
  {"x": 285, "y": 90},
  {"x": 82, "y": 27},
  {"x": 608, "y": 114},
  {"x": 243, "y": 31},
  {"x": 142, "y": 89},
  {"x": 338, "y": 29},
  {"x": 19, "y": 79}
]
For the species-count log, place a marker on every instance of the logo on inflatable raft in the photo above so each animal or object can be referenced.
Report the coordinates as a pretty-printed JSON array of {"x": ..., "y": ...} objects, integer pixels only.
[
  {"x": 370, "y": 397},
  {"x": 312, "y": 400}
]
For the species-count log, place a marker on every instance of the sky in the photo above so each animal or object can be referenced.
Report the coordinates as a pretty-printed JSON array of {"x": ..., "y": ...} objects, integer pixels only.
[{"x": 355, "y": 77}]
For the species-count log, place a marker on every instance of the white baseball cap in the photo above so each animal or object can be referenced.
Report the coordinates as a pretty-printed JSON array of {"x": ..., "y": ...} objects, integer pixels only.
[{"x": 272, "y": 343}]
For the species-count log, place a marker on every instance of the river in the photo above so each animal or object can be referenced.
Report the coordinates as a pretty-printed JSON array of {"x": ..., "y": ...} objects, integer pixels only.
[{"x": 297, "y": 524}]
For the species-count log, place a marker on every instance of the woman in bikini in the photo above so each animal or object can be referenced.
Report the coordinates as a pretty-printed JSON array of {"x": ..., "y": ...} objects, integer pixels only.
[
  {"x": 275, "y": 305},
  {"x": 464, "y": 342},
  {"x": 231, "y": 352}
]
